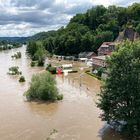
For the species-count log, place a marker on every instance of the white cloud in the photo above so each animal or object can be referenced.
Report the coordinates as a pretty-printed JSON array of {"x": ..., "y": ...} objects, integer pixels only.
[{"x": 26, "y": 17}]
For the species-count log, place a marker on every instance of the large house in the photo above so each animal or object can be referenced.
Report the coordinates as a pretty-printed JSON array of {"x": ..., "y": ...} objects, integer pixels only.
[{"x": 106, "y": 48}]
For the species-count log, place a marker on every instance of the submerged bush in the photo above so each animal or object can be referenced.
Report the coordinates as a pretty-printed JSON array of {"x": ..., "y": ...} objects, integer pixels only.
[
  {"x": 60, "y": 97},
  {"x": 17, "y": 55},
  {"x": 43, "y": 87},
  {"x": 51, "y": 69},
  {"x": 14, "y": 71},
  {"x": 22, "y": 79},
  {"x": 33, "y": 63}
]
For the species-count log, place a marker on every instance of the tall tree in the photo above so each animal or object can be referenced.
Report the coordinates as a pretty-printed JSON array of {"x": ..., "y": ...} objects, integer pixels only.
[{"x": 120, "y": 95}]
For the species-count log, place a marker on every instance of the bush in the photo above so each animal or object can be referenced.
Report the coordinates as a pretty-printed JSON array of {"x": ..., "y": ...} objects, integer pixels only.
[
  {"x": 100, "y": 71},
  {"x": 52, "y": 70},
  {"x": 40, "y": 62},
  {"x": 22, "y": 79},
  {"x": 17, "y": 55},
  {"x": 33, "y": 63},
  {"x": 60, "y": 97},
  {"x": 43, "y": 87},
  {"x": 49, "y": 65},
  {"x": 14, "y": 71}
]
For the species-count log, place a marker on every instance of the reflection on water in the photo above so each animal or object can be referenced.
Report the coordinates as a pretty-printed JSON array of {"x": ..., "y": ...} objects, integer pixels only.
[{"x": 75, "y": 118}]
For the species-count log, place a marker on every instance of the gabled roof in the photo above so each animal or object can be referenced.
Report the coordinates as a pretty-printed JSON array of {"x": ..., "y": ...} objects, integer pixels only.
[
  {"x": 106, "y": 45},
  {"x": 85, "y": 54}
]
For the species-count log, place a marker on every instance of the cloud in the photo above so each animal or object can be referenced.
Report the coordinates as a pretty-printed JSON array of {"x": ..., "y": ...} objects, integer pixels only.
[{"x": 26, "y": 17}]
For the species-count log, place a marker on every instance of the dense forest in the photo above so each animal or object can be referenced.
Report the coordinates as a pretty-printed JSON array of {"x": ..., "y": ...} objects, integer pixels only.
[{"x": 87, "y": 31}]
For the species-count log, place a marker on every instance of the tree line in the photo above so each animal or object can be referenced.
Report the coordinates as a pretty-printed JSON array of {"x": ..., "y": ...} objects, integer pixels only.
[{"x": 87, "y": 31}]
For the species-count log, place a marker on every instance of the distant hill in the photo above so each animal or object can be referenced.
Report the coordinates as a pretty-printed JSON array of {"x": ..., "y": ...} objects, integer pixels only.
[
  {"x": 15, "y": 39},
  {"x": 42, "y": 35}
]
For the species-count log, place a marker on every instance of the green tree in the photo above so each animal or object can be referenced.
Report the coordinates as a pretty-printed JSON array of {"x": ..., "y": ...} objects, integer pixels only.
[
  {"x": 43, "y": 87},
  {"x": 138, "y": 28},
  {"x": 31, "y": 49},
  {"x": 120, "y": 95},
  {"x": 40, "y": 56}
]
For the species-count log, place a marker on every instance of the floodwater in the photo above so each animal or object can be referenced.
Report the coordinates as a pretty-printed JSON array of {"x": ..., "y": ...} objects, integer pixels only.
[{"x": 74, "y": 118}]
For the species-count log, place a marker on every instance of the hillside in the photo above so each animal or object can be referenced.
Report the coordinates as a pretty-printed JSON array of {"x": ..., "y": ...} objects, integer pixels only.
[
  {"x": 87, "y": 31},
  {"x": 14, "y": 39}
]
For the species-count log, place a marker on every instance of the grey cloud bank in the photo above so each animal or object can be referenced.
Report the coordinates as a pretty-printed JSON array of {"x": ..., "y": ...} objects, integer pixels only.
[{"x": 27, "y": 17}]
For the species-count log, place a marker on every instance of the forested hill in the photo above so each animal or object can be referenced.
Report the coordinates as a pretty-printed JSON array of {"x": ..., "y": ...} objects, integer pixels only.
[
  {"x": 14, "y": 39},
  {"x": 86, "y": 32}
]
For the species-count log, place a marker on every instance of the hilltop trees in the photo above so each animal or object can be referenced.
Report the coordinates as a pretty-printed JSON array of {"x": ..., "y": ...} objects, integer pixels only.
[
  {"x": 120, "y": 95},
  {"x": 87, "y": 31}
]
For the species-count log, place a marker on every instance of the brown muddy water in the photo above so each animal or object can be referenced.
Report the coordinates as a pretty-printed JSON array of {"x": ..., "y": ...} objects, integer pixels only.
[{"x": 74, "y": 118}]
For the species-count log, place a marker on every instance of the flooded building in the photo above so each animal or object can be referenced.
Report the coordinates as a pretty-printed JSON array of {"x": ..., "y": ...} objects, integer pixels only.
[
  {"x": 106, "y": 48},
  {"x": 84, "y": 56},
  {"x": 99, "y": 61}
]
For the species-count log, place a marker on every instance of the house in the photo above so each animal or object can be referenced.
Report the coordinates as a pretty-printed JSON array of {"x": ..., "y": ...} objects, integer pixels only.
[
  {"x": 99, "y": 61},
  {"x": 106, "y": 48},
  {"x": 84, "y": 56}
]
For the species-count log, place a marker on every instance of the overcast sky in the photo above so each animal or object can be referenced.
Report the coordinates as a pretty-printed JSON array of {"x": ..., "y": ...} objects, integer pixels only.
[{"x": 27, "y": 17}]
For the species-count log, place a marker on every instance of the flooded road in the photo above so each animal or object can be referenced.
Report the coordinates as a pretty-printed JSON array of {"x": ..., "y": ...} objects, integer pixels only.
[{"x": 74, "y": 118}]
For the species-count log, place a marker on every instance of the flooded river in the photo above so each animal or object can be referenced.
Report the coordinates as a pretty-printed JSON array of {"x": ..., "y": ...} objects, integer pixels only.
[{"x": 74, "y": 118}]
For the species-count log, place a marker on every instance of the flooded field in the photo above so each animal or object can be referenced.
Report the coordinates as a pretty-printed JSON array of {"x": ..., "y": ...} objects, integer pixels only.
[{"x": 74, "y": 118}]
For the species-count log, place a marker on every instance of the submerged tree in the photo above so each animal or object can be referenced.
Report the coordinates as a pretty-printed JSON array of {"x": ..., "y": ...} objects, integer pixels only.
[
  {"x": 36, "y": 52},
  {"x": 120, "y": 95},
  {"x": 43, "y": 87}
]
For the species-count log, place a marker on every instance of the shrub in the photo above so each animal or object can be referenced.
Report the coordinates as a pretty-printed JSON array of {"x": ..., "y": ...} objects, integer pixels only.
[
  {"x": 49, "y": 65},
  {"x": 17, "y": 55},
  {"x": 22, "y": 79},
  {"x": 43, "y": 87},
  {"x": 40, "y": 62},
  {"x": 100, "y": 71},
  {"x": 52, "y": 70},
  {"x": 60, "y": 97},
  {"x": 14, "y": 71},
  {"x": 33, "y": 63}
]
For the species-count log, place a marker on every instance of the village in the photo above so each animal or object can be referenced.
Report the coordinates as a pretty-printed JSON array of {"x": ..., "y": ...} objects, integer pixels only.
[{"x": 93, "y": 63}]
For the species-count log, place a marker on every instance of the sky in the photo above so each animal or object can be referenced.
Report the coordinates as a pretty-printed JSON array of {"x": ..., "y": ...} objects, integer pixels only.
[{"x": 27, "y": 17}]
